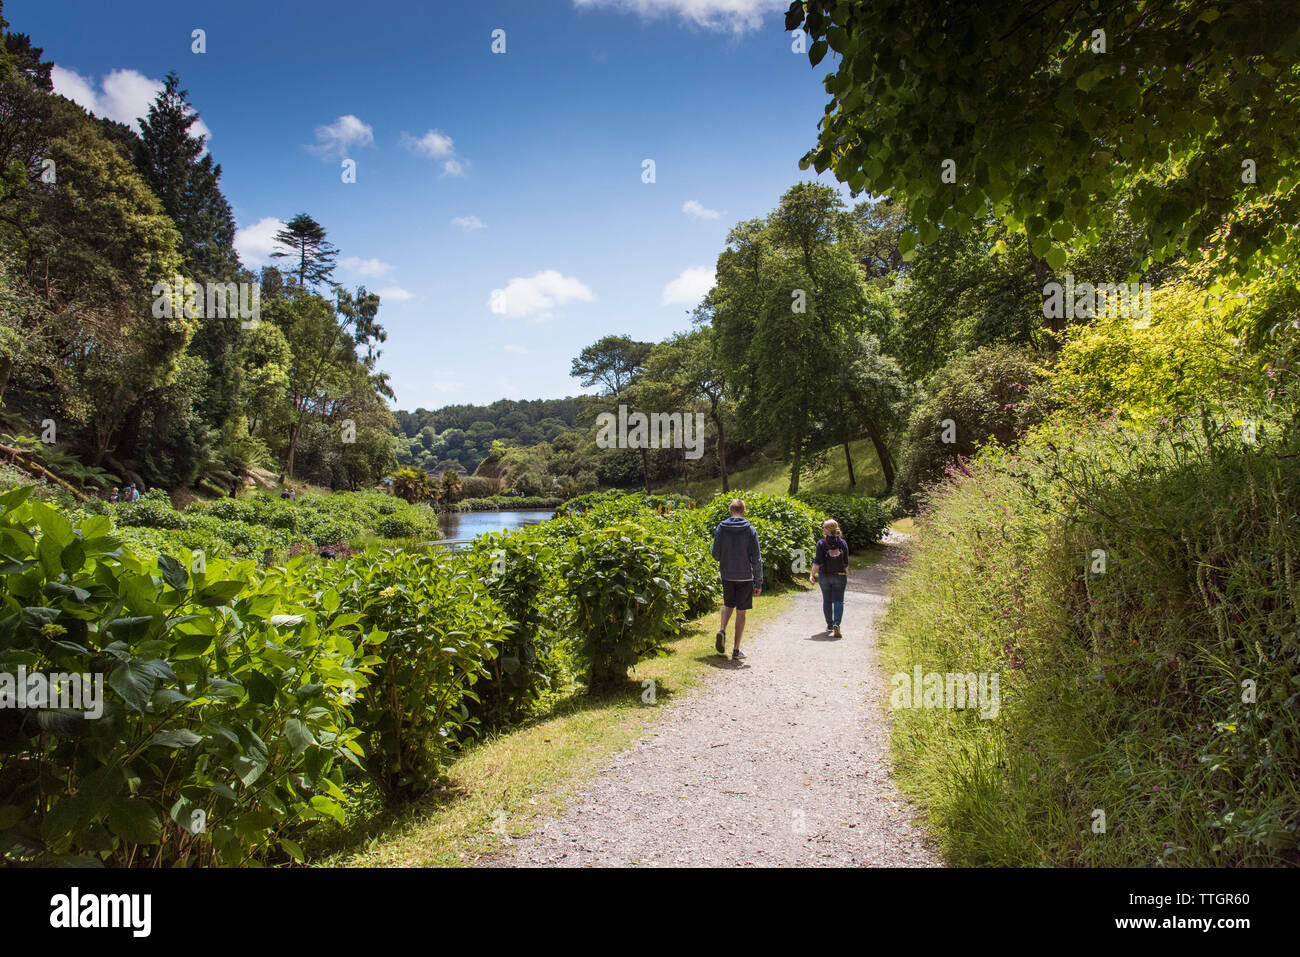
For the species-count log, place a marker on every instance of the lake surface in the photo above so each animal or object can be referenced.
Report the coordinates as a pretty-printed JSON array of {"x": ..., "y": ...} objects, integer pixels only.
[{"x": 463, "y": 526}]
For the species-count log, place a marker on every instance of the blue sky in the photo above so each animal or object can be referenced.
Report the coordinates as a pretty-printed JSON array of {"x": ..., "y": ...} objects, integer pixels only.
[{"x": 498, "y": 205}]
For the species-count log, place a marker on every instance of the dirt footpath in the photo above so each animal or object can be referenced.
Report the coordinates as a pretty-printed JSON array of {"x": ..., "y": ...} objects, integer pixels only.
[{"x": 778, "y": 760}]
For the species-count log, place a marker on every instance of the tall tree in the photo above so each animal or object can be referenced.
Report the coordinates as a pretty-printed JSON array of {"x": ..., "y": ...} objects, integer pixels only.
[
  {"x": 324, "y": 339},
  {"x": 788, "y": 302},
  {"x": 685, "y": 366},
  {"x": 91, "y": 249},
  {"x": 611, "y": 362},
  {"x": 614, "y": 362},
  {"x": 173, "y": 161},
  {"x": 308, "y": 250}
]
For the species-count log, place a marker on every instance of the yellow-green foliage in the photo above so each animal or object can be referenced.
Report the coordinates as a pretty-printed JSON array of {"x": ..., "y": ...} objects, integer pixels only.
[{"x": 1196, "y": 353}]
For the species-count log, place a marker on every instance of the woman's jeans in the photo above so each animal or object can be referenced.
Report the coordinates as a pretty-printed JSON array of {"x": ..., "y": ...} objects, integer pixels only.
[{"x": 833, "y": 597}]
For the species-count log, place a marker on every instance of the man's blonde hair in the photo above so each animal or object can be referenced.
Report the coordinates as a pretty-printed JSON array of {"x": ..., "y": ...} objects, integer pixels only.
[{"x": 737, "y": 507}]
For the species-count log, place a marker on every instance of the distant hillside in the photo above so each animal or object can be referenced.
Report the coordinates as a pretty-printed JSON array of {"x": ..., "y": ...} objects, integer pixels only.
[{"x": 462, "y": 435}]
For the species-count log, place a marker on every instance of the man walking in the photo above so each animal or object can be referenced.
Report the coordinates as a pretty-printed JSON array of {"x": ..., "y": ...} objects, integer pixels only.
[{"x": 735, "y": 546}]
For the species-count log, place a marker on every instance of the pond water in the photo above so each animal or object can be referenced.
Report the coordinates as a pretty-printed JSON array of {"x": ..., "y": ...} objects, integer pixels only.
[{"x": 463, "y": 526}]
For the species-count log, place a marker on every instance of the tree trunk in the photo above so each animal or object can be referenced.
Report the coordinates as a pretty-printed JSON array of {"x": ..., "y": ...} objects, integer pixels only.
[
  {"x": 849, "y": 460},
  {"x": 794, "y": 468},
  {"x": 882, "y": 453},
  {"x": 722, "y": 448},
  {"x": 6, "y": 366},
  {"x": 287, "y": 471}
]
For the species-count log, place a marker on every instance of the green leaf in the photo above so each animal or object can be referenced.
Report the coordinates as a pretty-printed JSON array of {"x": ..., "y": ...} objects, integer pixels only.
[
  {"x": 300, "y": 738},
  {"x": 134, "y": 821},
  {"x": 220, "y": 593},
  {"x": 53, "y": 524},
  {"x": 11, "y": 499},
  {"x": 261, "y": 689},
  {"x": 173, "y": 572},
  {"x": 134, "y": 681},
  {"x": 328, "y": 808},
  {"x": 180, "y": 738}
]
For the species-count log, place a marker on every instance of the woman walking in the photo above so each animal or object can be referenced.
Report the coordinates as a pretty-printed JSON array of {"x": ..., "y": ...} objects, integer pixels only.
[{"x": 832, "y": 564}]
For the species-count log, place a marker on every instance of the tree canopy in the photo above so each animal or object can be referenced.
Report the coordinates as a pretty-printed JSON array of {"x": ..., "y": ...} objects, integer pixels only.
[{"x": 1044, "y": 114}]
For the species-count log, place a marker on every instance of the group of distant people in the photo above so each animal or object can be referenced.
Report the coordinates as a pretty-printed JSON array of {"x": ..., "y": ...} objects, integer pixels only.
[{"x": 129, "y": 494}]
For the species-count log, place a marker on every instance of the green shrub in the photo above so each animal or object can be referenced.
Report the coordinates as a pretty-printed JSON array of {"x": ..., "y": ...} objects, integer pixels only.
[
  {"x": 862, "y": 521},
  {"x": 787, "y": 530},
  {"x": 621, "y": 578},
  {"x": 518, "y": 568},
  {"x": 149, "y": 512},
  {"x": 222, "y": 731},
  {"x": 697, "y": 581},
  {"x": 396, "y": 527},
  {"x": 507, "y": 503},
  {"x": 431, "y": 634},
  {"x": 983, "y": 396}
]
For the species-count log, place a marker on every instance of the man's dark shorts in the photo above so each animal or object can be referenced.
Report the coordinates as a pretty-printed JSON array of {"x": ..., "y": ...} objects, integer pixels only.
[{"x": 738, "y": 594}]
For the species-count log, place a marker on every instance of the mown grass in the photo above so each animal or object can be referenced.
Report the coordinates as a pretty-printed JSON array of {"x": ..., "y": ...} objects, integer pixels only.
[
  {"x": 773, "y": 478},
  {"x": 500, "y": 787}
]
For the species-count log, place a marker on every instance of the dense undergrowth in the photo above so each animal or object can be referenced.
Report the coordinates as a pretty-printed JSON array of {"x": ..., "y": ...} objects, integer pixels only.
[{"x": 1136, "y": 590}]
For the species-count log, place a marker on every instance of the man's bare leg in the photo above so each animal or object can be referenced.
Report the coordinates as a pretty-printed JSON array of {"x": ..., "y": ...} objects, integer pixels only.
[
  {"x": 726, "y": 615},
  {"x": 740, "y": 627}
]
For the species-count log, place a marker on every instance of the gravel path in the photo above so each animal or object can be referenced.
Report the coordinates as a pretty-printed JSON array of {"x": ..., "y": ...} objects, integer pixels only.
[{"x": 779, "y": 760}]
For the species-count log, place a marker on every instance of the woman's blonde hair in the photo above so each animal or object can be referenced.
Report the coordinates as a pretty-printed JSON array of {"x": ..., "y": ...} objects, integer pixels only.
[{"x": 832, "y": 526}]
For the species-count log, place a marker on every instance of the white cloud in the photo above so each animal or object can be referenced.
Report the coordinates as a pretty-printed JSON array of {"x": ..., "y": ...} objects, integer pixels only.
[
  {"x": 469, "y": 223},
  {"x": 516, "y": 349},
  {"x": 437, "y": 145},
  {"x": 255, "y": 243},
  {"x": 365, "y": 267},
  {"x": 538, "y": 294},
  {"x": 689, "y": 287},
  {"x": 337, "y": 138},
  {"x": 395, "y": 294},
  {"x": 734, "y": 15},
  {"x": 433, "y": 144},
  {"x": 124, "y": 96},
  {"x": 693, "y": 207}
]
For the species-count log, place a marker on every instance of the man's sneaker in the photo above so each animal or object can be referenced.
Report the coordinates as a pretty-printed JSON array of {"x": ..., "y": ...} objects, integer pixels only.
[
  {"x": 738, "y": 654},
  {"x": 720, "y": 642},
  {"x": 837, "y": 631}
]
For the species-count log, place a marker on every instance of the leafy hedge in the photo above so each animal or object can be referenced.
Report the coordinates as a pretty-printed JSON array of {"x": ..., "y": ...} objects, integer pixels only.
[
  {"x": 862, "y": 521},
  {"x": 432, "y": 631},
  {"x": 613, "y": 502},
  {"x": 506, "y": 503},
  {"x": 242, "y": 703},
  {"x": 787, "y": 530},
  {"x": 249, "y": 526},
  {"x": 222, "y": 732}
]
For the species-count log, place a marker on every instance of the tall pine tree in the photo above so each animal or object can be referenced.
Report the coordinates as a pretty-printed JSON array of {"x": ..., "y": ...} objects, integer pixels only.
[{"x": 174, "y": 162}]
